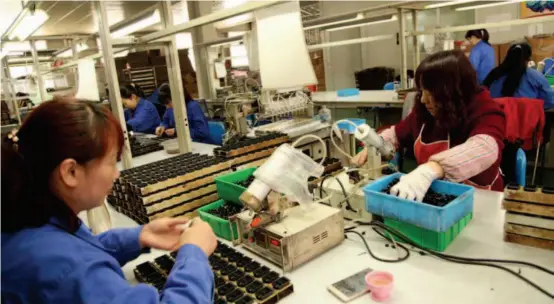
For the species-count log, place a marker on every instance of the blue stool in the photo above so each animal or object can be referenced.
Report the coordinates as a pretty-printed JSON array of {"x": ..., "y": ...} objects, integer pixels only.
[
  {"x": 521, "y": 167},
  {"x": 216, "y": 129}
]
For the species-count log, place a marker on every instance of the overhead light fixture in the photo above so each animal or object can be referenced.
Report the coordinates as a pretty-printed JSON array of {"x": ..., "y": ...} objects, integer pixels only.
[
  {"x": 392, "y": 18},
  {"x": 138, "y": 25},
  {"x": 357, "y": 17},
  {"x": 447, "y": 3},
  {"x": 69, "y": 52},
  {"x": 28, "y": 24},
  {"x": 121, "y": 54},
  {"x": 233, "y": 21},
  {"x": 483, "y": 5}
]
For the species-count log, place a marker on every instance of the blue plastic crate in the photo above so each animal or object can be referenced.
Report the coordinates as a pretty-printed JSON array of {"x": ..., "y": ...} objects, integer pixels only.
[{"x": 422, "y": 215}]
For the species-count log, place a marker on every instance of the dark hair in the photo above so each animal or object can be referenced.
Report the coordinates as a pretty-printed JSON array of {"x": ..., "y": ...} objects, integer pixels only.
[
  {"x": 514, "y": 66},
  {"x": 54, "y": 131},
  {"x": 164, "y": 97},
  {"x": 128, "y": 89},
  {"x": 452, "y": 81},
  {"x": 482, "y": 34}
]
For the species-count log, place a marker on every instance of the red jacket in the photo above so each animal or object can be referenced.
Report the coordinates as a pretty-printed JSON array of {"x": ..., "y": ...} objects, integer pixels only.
[
  {"x": 483, "y": 117},
  {"x": 524, "y": 119}
]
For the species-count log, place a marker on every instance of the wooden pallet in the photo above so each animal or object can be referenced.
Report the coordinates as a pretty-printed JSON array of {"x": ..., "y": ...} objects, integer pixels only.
[
  {"x": 528, "y": 241},
  {"x": 539, "y": 233},
  {"x": 536, "y": 197},
  {"x": 530, "y": 220}
]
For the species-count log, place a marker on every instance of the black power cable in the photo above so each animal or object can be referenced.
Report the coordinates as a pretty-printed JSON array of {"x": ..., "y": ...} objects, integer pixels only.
[
  {"x": 348, "y": 206},
  {"x": 463, "y": 260},
  {"x": 405, "y": 257}
]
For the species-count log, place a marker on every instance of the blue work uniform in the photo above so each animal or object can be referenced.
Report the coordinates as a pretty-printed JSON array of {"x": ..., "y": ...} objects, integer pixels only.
[
  {"x": 49, "y": 264},
  {"x": 532, "y": 85},
  {"x": 198, "y": 123},
  {"x": 145, "y": 117},
  {"x": 483, "y": 60}
]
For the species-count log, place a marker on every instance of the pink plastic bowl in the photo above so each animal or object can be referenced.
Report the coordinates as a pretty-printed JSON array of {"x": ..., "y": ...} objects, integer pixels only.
[{"x": 380, "y": 284}]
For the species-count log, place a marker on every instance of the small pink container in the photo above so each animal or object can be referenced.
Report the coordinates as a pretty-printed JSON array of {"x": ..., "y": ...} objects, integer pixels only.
[{"x": 380, "y": 284}]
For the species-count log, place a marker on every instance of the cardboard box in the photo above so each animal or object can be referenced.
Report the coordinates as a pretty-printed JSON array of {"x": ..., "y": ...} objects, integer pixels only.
[
  {"x": 496, "y": 48},
  {"x": 503, "y": 50},
  {"x": 541, "y": 47}
]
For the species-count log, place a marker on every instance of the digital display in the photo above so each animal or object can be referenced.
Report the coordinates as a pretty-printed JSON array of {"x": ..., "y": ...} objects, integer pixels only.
[{"x": 354, "y": 284}]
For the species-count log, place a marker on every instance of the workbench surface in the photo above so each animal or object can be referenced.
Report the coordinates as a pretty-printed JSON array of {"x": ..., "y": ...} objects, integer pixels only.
[
  {"x": 420, "y": 279},
  {"x": 376, "y": 98}
]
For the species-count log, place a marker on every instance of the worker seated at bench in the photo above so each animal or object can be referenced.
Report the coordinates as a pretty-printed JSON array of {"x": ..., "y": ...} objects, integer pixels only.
[
  {"x": 140, "y": 114},
  {"x": 457, "y": 131},
  {"x": 198, "y": 123},
  {"x": 512, "y": 78}
]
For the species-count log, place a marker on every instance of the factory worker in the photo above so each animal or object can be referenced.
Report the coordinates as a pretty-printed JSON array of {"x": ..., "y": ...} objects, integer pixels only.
[
  {"x": 455, "y": 129},
  {"x": 61, "y": 162},
  {"x": 140, "y": 114},
  {"x": 482, "y": 54},
  {"x": 514, "y": 79},
  {"x": 198, "y": 123}
]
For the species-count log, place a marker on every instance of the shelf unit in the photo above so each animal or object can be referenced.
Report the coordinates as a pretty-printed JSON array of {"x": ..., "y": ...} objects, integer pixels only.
[{"x": 143, "y": 77}]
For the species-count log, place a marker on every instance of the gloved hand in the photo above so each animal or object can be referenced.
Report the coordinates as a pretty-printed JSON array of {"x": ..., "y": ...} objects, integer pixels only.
[
  {"x": 414, "y": 185},
  {"x": 371, "y": 138}
]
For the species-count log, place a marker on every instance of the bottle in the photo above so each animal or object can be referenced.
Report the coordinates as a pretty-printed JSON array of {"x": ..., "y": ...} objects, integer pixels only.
[{"x": 324, "y": 114}]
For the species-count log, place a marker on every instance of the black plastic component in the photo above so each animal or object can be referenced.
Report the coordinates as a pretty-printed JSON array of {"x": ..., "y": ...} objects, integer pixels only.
[
  {"x": 252, "y": 267},
  {"x": 548, "y": 190},
  {"x": 219, "y": 265},
  {"x": 245, "y": 280},
  {"x": 220, "y": 301},
  {"x": 228, "y": 270},
  {"x": 530, "y": 188},
  {"x": 513, "y": 186},
  {"x": 280, "y": 283},
  {"x": 270, "y": 277},
  {"x": 244, "y": 261},
  {"x": 235, "y": 257},
  {"x": 235, "y": 276},
  {"x": 225, "y": 289},
  {"x": 264, "y": 293},
  {"x": 146, "y": 268},
  {"x": 245, "y": 300},
  {"x": 219, "y": 281},
  {"x": 262, "y": 271},
  {"x": 254, "y": 286},
  {"x": 234, "y": 295},
  {"x": 165, "y": 262}
]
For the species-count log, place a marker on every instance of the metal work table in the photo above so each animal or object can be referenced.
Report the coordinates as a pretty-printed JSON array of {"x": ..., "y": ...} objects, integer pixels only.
[
  {"x": 378, "y": 98},
  {"x": 420, "y": 279}
]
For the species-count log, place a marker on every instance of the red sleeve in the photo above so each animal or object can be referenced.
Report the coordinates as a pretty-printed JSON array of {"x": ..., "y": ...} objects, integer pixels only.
[{"x": 405, "y": 129}]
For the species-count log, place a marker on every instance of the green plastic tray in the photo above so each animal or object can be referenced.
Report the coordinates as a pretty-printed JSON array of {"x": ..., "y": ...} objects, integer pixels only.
[
  {"x": 437, "y": 241},
  {"x": 226, "y": 187},
  {"x": 221, "y": 227}
]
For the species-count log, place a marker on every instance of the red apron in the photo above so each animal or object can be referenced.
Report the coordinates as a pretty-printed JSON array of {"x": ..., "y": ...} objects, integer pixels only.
[{"x": 424, "y": 151}]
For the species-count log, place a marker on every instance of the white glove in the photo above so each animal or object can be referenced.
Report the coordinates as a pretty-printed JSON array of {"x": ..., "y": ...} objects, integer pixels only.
[{"x": 414, "y": 185}]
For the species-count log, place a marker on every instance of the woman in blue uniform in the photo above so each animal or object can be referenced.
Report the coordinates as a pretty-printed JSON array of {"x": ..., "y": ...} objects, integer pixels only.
[
  {"x": 140, "y": 114},
  {"x": 512, "y": 78},
  {"x": 482, "y": 54},
  {"x": 61, "y": 162},
  {"x": 198, "y": 123}
]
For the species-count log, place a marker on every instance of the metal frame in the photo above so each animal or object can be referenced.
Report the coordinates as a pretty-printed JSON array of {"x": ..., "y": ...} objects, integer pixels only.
[
  {"x": 36, "y": 67},
  {"x": 8, "y": 82}
]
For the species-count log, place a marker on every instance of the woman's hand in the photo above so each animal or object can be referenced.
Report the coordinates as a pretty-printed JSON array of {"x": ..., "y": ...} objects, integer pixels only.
[
  {"x": 201, "y": 235},
  {"x": 163, "y": 233},
  {"x": 170, "y": 132},
  {"x": 160, "y": 130},
  {"x": 360, "y": 158},
  {"x": 414, "y": 185}
]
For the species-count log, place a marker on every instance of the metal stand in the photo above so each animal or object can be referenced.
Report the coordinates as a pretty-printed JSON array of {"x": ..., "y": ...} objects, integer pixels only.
[
  {"x": 402, "y": 41},
  {"x": 111, "y": 78},
  {"x": 36, "y": 66}
]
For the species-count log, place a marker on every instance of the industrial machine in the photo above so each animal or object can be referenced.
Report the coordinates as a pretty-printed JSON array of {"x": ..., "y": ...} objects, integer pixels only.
[{"x": 302, "y": 234}]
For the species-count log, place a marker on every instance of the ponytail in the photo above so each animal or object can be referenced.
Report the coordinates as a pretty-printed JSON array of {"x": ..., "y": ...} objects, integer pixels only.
[
  {"x": 513, "y": 66},
  {"x": 128, "y": 89},
  {"x": 485, "y": 35},
  {"x": 482, "y": 34}
]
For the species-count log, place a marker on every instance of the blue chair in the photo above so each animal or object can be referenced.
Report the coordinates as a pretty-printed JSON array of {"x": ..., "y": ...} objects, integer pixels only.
[
  {"x": 521, "y": 167},
  {"x": 389, "y": 86},
  {"x": 216, "y": 129}
]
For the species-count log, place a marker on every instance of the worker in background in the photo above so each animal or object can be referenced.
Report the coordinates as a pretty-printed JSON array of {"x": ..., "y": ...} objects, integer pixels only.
[
  {"x": 457, "y": 131},
  {"x": 61, "y": 162},
  {"x": 512, "y": 78},
  {"x": 482, "y": 54},
  {"x": 140, "y": 114},
  {"x": 198, "y": 123}
]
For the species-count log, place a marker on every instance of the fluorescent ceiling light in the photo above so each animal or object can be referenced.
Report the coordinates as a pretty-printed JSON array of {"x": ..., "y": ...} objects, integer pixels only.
[
  {"x": 236, "y": 20},
  {"x": 496, "y": 3},
  {"x": 24, "y": 46},
  {"x": 31, "y": 22},
  {"x": 447, "y": 3},
  {"x": 121, "y": 54},
  {"x": 393, "y": 18},
  {"x": 69, "y": 52},
  {"x": 141, "y": 24},
  {"x": 358, "y": 17}
]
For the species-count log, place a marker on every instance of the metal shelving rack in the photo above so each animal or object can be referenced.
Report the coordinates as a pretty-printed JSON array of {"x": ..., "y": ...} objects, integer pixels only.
[{"x": 8, "y": 93}]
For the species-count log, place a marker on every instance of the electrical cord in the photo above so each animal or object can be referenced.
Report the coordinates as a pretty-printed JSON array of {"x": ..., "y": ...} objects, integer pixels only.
[
  {"x": 464, "y": 260},
  {"x": 346, "y": 196},
  {"x": 405, "y": 257}
]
